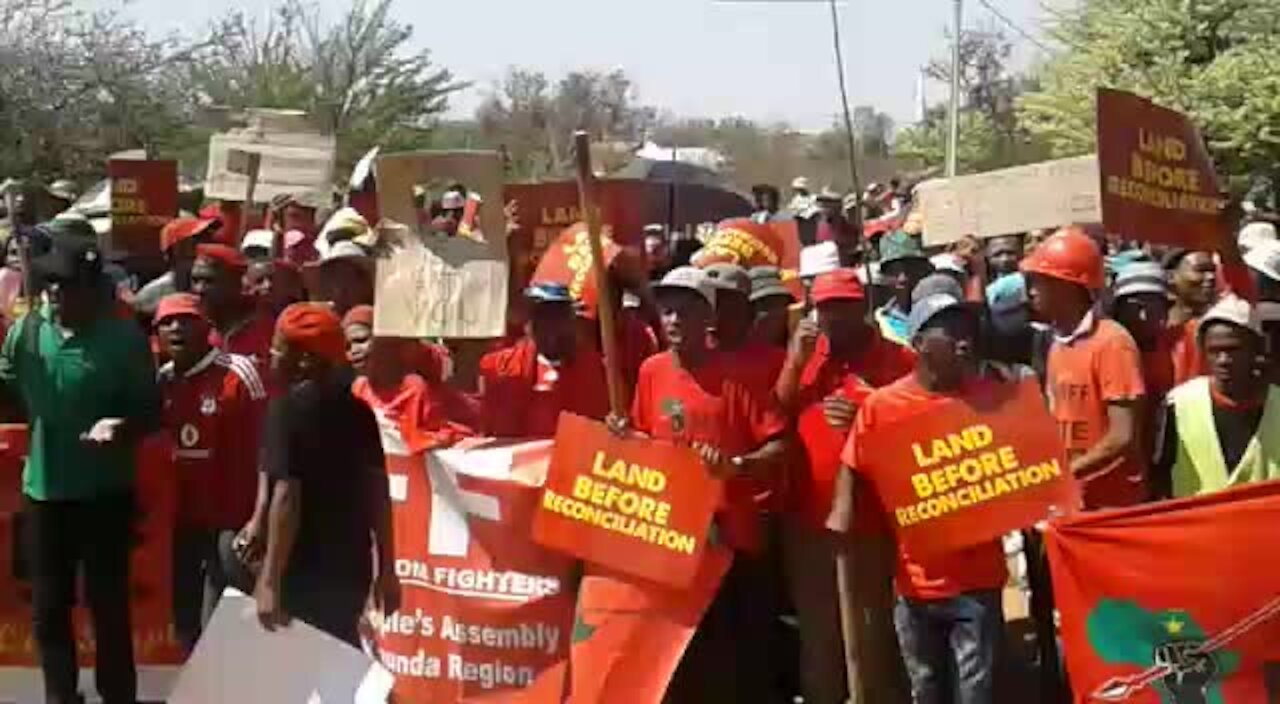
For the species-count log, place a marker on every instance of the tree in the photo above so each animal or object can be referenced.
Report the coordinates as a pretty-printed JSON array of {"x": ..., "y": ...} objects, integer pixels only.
[
  {"x": 1214, "y": 59},
  {"x": 872, "y": 130},
  {"x": 534, "y": 123},
  {"x": 356, "y": 77},
  {"x": 991, "y": 136},
  {"x": 76, "y": 87}
]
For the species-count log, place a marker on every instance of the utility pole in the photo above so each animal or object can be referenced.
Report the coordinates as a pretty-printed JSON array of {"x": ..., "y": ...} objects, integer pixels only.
[{"x": 953, "y": 137}]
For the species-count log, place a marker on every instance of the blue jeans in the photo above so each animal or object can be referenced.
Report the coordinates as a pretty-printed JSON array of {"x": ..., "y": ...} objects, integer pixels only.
[{"x": 949, "y": 646}]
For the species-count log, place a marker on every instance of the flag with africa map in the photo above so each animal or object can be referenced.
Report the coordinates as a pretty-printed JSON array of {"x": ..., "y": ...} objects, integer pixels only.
[{"x": 1176, "y": 602}]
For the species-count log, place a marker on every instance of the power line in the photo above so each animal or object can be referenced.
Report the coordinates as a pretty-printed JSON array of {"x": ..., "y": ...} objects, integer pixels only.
[{"x": 1014, "y": 26}]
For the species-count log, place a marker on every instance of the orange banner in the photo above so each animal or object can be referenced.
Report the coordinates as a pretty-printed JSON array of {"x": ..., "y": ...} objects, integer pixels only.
[
  {"x": 153, "y": 637},
  {"x": 487, "y": 616},
  {"x": 637, "y": 506},
  {"x": 630, "y": 636},
  {"x": 971, "y": 471},
  {"x": 1158, "y": 182}
]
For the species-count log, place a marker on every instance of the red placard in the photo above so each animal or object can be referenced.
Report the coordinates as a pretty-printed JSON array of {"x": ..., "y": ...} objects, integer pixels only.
[
  {"x": 640, "y": 507},
  {"x": 971, "y": 470},
  {"x": 144, "y": 197},
  {"x": 1158, "y": 183}
]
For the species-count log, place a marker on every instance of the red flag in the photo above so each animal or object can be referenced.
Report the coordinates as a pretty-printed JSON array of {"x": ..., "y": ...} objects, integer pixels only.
[
  {"x": 629, "y": 635},
  {"x": 1172, "y": 602}
]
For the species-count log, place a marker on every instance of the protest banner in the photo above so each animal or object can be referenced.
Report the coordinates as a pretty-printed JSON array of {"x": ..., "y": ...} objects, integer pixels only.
[
  {"x": 971, "y": 471},
  {"x": 156, "y": 650},
  {"x": 431, "y": 285},
  {"x": 144, "y": 198},
  {"x": 630, "y": 635},
  {"x": 639, "y": 507},
  {"x": 1173, "y": 601},
  {"x": 1158, "y": 182},
  {"x": 296, "y": 159},
  {"x": 1010, "y": 201},
  {"x": 748, "y": 243},
  {"x": 237, "y": 661},
  {"x": 486, "y": 614}
]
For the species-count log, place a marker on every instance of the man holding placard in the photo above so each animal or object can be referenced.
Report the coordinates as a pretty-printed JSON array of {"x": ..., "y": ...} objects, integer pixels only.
[
  {"x": 948, "y": 614},
  {"x": 691, "y": 396}
]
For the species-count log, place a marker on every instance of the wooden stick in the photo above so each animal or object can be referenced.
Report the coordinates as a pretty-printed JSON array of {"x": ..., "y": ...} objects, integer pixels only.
[
  {"x": 604, "y": 303},
  {"x": 850, "y": 622},
  {"x": 255, "y": 164}
]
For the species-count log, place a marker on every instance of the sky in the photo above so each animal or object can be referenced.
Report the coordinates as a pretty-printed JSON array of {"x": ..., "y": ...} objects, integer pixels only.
[{"x": 768, "y": 60}]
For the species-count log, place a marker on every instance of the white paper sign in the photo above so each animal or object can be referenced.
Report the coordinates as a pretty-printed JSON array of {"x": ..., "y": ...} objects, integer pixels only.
[
  {"x": 1009, "y": 201},
  {"x": 239, "y": 662}
]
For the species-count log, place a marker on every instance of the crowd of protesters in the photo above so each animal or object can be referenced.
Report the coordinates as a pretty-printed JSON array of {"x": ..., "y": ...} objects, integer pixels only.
[{"x": 255, "y": 357}]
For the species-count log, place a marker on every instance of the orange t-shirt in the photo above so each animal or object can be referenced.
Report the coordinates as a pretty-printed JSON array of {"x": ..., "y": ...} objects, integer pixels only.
[
  {"x": 943, "y": 577},
  {"x": 1084, "y": 375},
  {"x": 711, "y": 405}
]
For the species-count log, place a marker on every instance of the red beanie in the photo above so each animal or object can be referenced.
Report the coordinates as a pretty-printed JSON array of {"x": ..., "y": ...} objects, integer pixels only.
[
  {"x": 314, "y": 328},
  {"x": 226, "y": 255},
  {"x": 360, "y": 315}
]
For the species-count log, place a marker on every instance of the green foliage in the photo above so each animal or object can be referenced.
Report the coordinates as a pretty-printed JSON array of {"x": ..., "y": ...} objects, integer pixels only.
[{"x": 1214, "y": 59}]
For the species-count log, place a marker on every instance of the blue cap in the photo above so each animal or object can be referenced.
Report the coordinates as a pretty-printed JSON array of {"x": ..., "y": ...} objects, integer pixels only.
[
  {"x": 548, "y": 292},
  {"x": 927, "y": 308},
  {"x": 1007, "y": 300}
]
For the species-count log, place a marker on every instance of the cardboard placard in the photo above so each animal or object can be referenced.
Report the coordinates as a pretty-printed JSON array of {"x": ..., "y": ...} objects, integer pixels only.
[
  {"x": 296, "y": 160},
  {"x": 640, "y": 507},
  {"x": 971, "y": 471},
  {"x": 434, "y": 286},
  {"x": 144, "y": 197},
  {"x": 1008, "y": 201},
  {"x": 1158, "y": 182}
]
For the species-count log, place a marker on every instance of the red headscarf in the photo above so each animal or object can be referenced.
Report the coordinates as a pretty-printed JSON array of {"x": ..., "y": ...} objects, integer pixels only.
[{"x": 314, "y": 328}]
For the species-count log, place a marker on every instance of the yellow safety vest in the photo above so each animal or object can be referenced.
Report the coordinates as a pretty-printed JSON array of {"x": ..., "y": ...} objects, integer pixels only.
[{"x": 1199, "y": 467}]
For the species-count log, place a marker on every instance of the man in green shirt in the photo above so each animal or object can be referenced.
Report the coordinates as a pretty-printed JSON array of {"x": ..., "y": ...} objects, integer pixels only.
[{"x": 86, "y": 380}]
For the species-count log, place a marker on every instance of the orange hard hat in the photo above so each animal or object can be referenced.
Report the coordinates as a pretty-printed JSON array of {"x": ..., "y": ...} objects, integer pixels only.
[{"x": 1070, "y": 255}]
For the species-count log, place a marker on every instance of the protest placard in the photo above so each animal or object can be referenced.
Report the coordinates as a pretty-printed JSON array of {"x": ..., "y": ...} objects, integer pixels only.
[
  {"x": 1158, "y": 182},
  {"x": 296, "y": 159},
  {"x": 433, "y": 285},
  {"x": 640, "y": 507},
  {"x": 144, "y": 197},
  {"x": 237, "y": 661},
  {"x": 970, "y": 471},
  {"x": 1009, "y": 201},
  {"x": 749, "y": 244}
]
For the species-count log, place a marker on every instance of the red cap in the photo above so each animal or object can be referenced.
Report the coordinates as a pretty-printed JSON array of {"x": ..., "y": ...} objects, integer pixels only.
[
  {"x": 838, "y": 285},
  {"x": 180, "y": 229},
  {"x": 360, "y": 315},
  {"x": 314, "y": 328},
  {"x": 225, "y": 255},
  {"x": 176, "y": 304}
]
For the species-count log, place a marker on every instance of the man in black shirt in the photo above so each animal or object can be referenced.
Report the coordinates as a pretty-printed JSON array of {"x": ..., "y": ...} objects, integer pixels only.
[
  {"x": 1222, "y": 430},
  {"x": 329, "y": 500}
]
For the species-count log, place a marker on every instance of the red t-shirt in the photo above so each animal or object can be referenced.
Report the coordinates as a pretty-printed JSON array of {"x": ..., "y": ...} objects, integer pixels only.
[
  {"x": 522, "y": 395},
  {"x": 250, "y": 338},
  {"x": 637, "y": 342},
  {"x": 1098, "y": 368},
  {"x": 425, "y": 416},
  {"x": 811, "y": 490},
  {"x": 710, "y": 405},
  {"x": 214, "y": 413},
  {"x": 976, "y": 568},
  {"x": 758, "y": 365}
]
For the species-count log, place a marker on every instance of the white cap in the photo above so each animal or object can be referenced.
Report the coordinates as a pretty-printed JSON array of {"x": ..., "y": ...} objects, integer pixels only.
[
  {"x": 257, "y": 238},
  {"x": 1256, "y": 234},
  {"x": 453, "y": 200},
  {"x": 948, "y": 262},
  {"x": 800, "y": 183},
  {"x": 688, "y": 278},
  {"x": 819, "y": 259},
  {"x": 1264, "y": 258},
  {"x": 1234, "y": 310}
]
